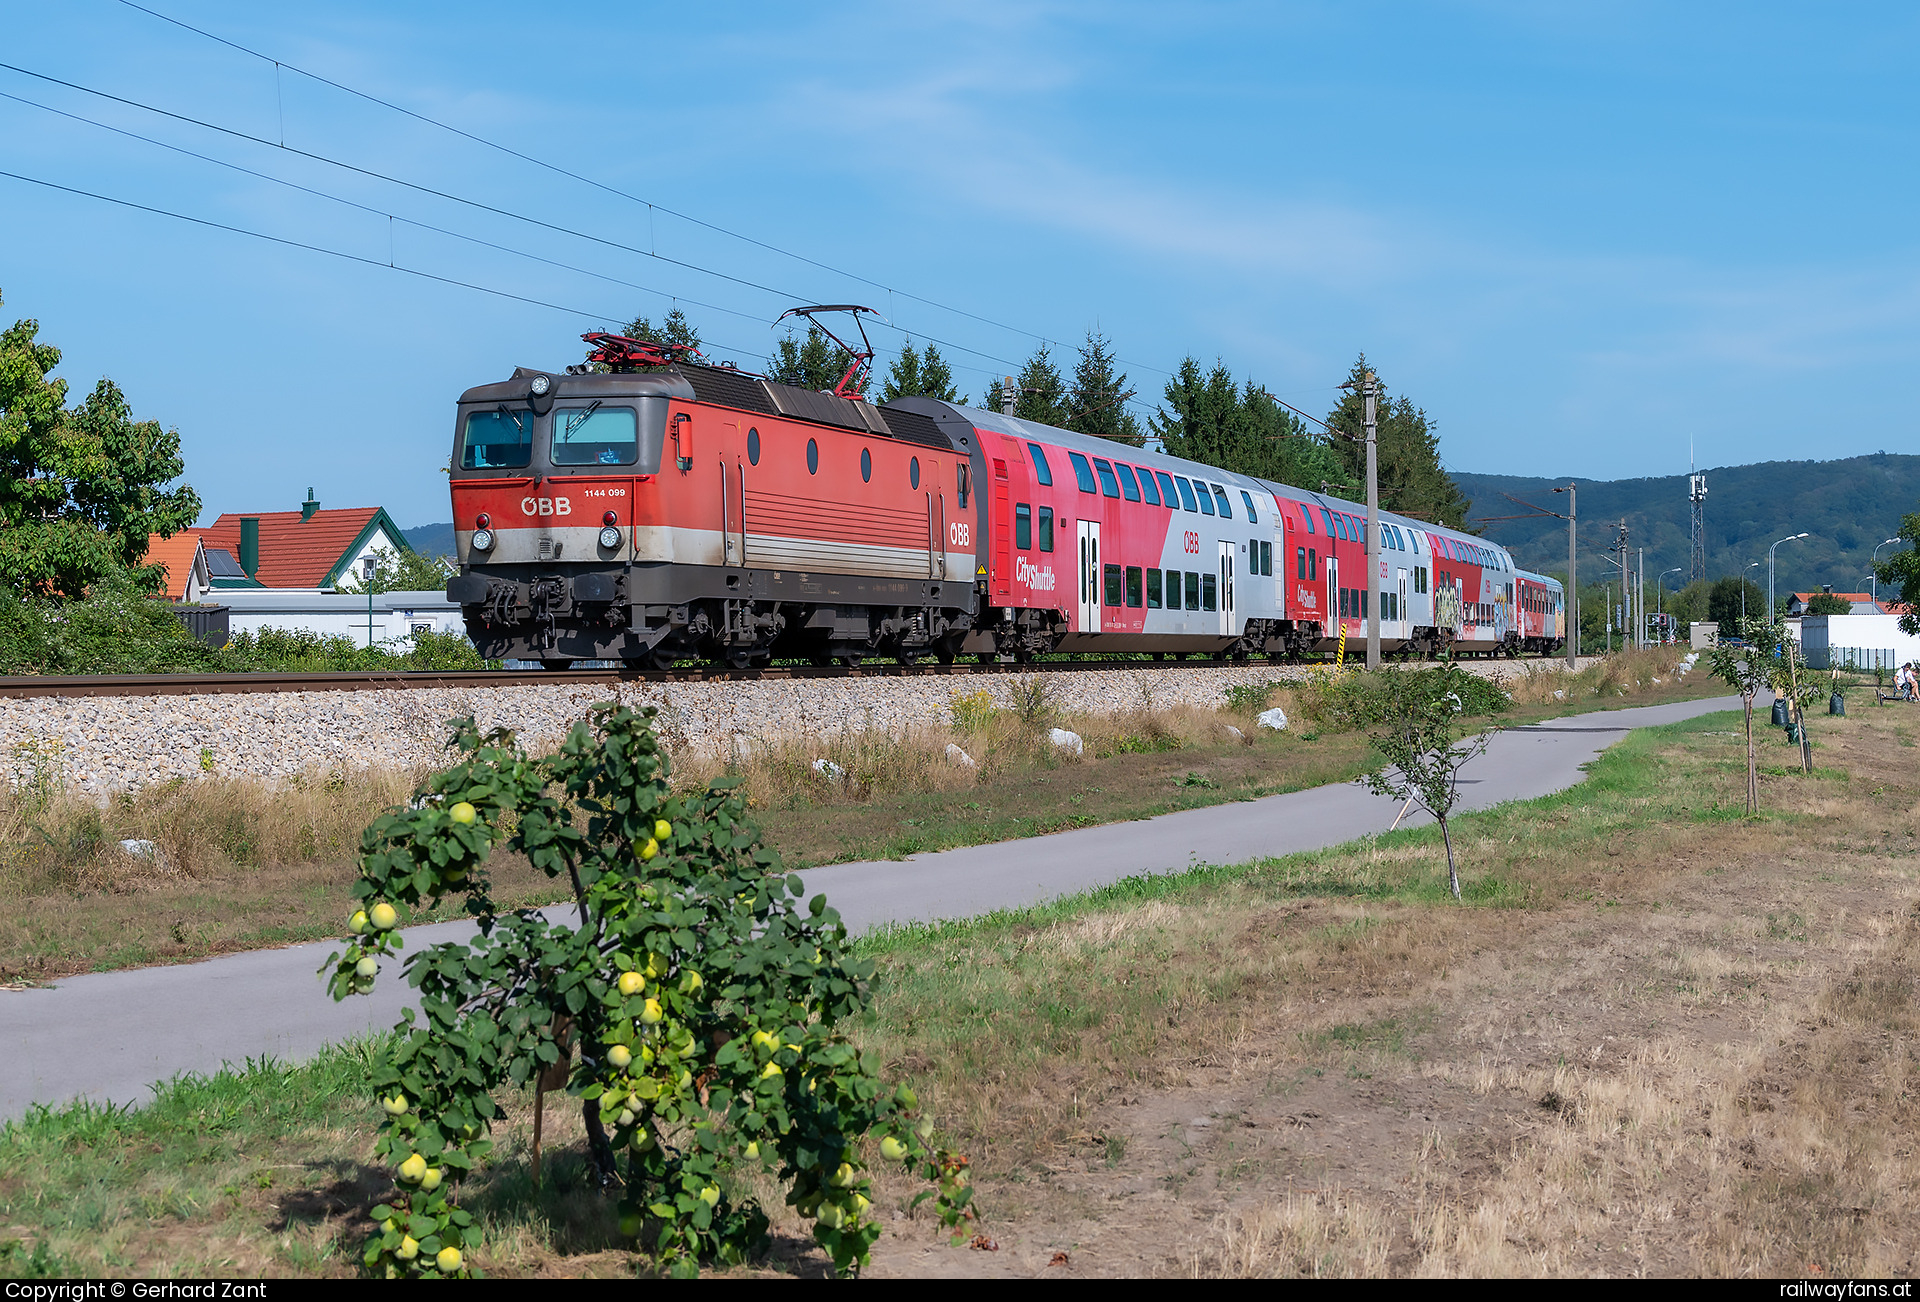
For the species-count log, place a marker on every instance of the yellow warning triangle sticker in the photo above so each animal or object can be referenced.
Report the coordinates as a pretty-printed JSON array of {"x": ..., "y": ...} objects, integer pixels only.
[{"x": 981, "y": 570}]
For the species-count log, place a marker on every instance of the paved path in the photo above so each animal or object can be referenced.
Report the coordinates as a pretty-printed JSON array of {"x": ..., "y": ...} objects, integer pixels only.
[{"x": 108, "y": 1035}]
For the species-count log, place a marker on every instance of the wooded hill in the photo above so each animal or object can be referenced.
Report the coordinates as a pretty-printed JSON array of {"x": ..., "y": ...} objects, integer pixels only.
[{"x": 1848, "y": 506}]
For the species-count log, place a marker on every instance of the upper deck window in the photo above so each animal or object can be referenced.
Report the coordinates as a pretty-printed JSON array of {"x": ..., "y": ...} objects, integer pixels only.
[
  {"x": 1306, "y": 513},
  {"x": 1226, "y": 507},
  {"x": 498, "y": 439},
  {"x": 1128, "y": 488},
  {"x": 1186, "y": 493},
  {"x": 1082, "y": 472},
  {"x": 1206, "y": 498},
  {"x": 1166, "y": 488},
  {"x": 1107, "y": 485},
  {"x": 1149, "y": 489},
  {"x": 595, "y": 436},
  {"x": 1041, "y": 470},
  {"x": 1247, "y": 497}
]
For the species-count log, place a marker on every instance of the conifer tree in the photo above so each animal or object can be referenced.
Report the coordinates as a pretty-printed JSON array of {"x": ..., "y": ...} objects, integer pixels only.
[
  {"x": 1207, "y": 418},
  {"x": 1097, "y": 399},
  {"x": 915, "y": 373},
  {"x": 1041, "y": 392},
  {"x": 813, "y": 363},
  {"x": 674, "y": 329},
  {"x": 1412, "y": 480}
]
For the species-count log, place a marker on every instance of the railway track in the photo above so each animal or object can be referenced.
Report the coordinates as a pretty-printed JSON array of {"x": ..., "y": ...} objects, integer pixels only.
[{"x": 199, "y": 684}]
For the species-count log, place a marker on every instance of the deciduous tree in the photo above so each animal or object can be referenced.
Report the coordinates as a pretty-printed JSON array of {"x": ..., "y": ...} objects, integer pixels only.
[{"x": 1903, "y": 568}]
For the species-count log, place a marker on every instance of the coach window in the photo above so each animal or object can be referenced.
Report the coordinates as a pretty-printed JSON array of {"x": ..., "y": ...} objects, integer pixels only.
[
  {"x": 813, "y": 457},
  {"x": 1167, "y": 495},
  {"x": 1220, "y": 496},
  {"x": 753, "y": 447},
  {"x": 866, "y": 465},
  {"x": 1186, "y": 494},
  {"x": 1266, "y": 559},
  {"x": 1313, "y": 565},
  {"x": 1113, "y": 584},
  {"x": 1252, "y": 515},
  {"x": 913, "y": 472},
  {"x": 1327, "y": 516},
  {"x": 1208, "y": 587},
  {"x": 1041, "y": 470},
  {"x": 1206, "y": 498},
  {"x": 1082, "y": 473},
  {"x": 1133, "y": 585},
  {"x": 1128, "y": 489},
  {"x": 1153, "y": 589},
  {"x": 1046, "y": 528},
  {"x": 1306, "y": 513},
  {"x": 1023, "y": 527},
  {"x": 499, "y": 438},
  {"x": 1148, "y": 489},
  {"x": 1193, "y": 591},
  {"x": 1300, "y": 563},
  {"x": 1108, "y": 487}
]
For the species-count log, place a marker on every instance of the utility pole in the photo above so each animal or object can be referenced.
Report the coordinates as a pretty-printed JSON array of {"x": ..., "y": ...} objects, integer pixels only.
[
  {"x": 1373, "y": 527},
  {"x": 1573, "y": 580},
  {"x": 1007, "y": 396},
  {"x": 1606, "y": 593},
  {"x": 1640, "y": 602}
]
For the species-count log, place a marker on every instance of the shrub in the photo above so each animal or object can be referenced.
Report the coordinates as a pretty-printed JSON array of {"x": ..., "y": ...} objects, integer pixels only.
[{"x": 704, "y": 999}]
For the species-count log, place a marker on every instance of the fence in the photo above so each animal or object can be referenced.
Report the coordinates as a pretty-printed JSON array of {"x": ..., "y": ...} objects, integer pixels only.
[{"x": 1858, "y": 657}]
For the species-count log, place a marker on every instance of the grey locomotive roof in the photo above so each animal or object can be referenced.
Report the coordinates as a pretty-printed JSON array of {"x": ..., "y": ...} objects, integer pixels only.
[{"x": 646, "y": 384}]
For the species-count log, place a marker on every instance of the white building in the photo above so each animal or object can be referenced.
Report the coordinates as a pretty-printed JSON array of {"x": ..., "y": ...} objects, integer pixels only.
[
  {"x": 1856, "y": 642},
  {"x": 396, "y": 615}
]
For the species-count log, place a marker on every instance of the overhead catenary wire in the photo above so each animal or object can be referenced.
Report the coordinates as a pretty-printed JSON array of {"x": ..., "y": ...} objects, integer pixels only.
[{"x": 650, "y": 204}]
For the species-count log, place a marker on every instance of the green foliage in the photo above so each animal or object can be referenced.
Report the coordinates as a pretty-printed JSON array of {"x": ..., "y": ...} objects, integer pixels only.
[
  {"x": 1249, "y": 698},
  {"x": 1359, "y": 698},
  {"x": 1903, "y": 568},
  {"x": 300, "y": 650},
  {"x": 1825, "y": 603},
  {"x": 1206, "y": 418},
  {"x": 1748, "y": 668},
  {"x": 815, "y": 362},
  {"x": 408, "y": 571},
  {"x": 1097, "y": 399},
  {"x": 919, "y": 373},
  {"x": 1411, "y": 719},
  {"x": 1412, "y": 480},
  {"x": 1042, "y": 392},
  {"x": 82, "y": 490},
  {"x": 1725, "y": 604},
  {"x": 673, "y": 329},
  {"x": 706, "y": 1001}
]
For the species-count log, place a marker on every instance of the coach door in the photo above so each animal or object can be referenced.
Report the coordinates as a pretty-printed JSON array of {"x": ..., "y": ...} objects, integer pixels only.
[
  {"x": 1000, "y": 566},
  {"x": 1334, "y": 613},
  {"x": 1228, "y": 551},
  {"x": 1089, "y": 576}
]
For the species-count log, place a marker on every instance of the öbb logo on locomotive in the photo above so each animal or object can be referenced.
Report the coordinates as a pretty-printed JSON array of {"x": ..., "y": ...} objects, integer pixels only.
[{"x": 758, "y": 520}]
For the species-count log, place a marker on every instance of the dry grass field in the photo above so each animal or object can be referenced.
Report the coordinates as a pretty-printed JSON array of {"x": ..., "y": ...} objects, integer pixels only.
[{"x": 1657, "y": 1038}]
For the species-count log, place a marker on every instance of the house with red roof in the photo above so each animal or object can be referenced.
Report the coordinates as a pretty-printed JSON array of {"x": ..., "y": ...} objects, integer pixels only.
[
  {"x": 1861, "y": 603},
  {"x": 184, "y": 559},
  {"x": 309, "y": 548}
]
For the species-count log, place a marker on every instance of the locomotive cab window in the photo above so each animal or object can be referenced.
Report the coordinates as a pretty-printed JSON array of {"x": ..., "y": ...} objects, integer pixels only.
[
  {"x": 499, "y": 439},
  {"x": 595, "y": 436},
  {"x": 959, "y": 479}
]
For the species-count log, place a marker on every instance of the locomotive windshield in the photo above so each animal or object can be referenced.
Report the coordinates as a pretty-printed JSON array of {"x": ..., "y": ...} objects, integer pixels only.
[
  {"x": 595, "y": 436},
  {"x": 498, "y": 439}
]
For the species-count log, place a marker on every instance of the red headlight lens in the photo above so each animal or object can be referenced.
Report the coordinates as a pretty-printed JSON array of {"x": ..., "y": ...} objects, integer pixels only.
[
  {"x": 609, "y": 518},
  {"x": 483, "y": 521}
]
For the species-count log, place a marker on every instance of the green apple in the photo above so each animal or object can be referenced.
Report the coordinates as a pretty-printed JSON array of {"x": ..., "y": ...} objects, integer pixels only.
[
  {"x": 448, "y": 1260},
  {"x": 626, "y": 1118},
  {"x": 770, "y": 1071},
  {"x": 431, "y": 1180},
  {"x": 409, "y": 1248},
  {"x": 844, "y": 1176},
  {"x": 753, "y": 1148},
  {"x": 357, "y": 924},
  {"x": 710, "y": 1195},
  {"x": 832, "y": 1217},
  {"x": 650, "y": 849},
  {"x": 651, "y": 1013},
  {"x": 632, "y": 983},
  {"x": 367, "y": 967},
  {"x": 620, "y": 1056},
  {"x": 691, "y": 983},
  {"x": 892, "y": 1149},
  {"x": 382, "y": 916},
  {"x": 662, "y": 829},
  {"x": 414, "y": 1169},
  {"x": 461, "y": 812},
  {"x": 642, "y": 1140},
  {"x": 631, "y": 1223}
]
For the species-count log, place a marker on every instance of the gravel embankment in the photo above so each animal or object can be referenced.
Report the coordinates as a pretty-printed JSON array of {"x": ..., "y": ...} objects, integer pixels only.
[{"x": 113, "y": 743}]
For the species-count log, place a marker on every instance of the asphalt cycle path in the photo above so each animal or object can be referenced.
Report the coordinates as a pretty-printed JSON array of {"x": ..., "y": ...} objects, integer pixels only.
[{"x": 108, "y": 1036}]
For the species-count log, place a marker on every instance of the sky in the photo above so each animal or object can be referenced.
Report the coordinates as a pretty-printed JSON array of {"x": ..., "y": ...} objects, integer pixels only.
[{"x": 1585, "y": 238}]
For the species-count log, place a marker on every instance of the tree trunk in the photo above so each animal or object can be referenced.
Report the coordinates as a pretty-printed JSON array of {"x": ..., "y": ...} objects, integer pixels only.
[
  {"x": 1453, "y": 876},
  {"x": 1753, "y": 781}
]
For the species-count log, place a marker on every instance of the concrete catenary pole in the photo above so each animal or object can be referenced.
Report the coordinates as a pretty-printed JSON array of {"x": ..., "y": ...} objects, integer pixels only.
[
  {"x": 1640, "y": 601},
  {"x": 1373, "y": 526}
]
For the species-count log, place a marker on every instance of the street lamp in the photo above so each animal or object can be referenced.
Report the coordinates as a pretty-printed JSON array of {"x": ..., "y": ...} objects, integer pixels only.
[
  {"x": 1873, "y": 572},
  {"x": 1791, "y": 538},
  {"x": 370, "y": 565},
  {"x": 1743, "y": 597},
  {"x": 1662, "y": 581}
]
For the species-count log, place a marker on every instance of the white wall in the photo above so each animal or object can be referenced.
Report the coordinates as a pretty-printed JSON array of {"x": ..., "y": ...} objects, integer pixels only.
[
  {"x": 1821, "y": 634},
  {"x": 395, "y": 614}
]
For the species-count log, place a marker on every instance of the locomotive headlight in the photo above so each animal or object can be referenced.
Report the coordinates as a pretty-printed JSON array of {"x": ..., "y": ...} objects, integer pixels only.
[
  {"x": 539, "y": 385},
  {"x": 483, "y": 540},
  {"x": 609, "y": 537}
]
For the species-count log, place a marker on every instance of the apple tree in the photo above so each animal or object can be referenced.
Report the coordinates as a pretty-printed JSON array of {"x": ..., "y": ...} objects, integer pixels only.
[{"x": 704, "y": 999}]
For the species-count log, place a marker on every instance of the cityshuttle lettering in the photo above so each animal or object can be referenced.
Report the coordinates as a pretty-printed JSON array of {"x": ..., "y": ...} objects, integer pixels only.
[
  {"x": 1040, "y": 580},
  {"x": 546, "y": 506}
]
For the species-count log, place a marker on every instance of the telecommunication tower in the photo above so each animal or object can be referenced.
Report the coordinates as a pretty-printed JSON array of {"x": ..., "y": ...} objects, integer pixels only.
[{"x": 1697, "y": 528}]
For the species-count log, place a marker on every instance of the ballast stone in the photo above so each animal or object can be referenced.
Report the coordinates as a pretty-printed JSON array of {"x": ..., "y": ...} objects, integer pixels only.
[{"x": 1276, "y": 719}]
